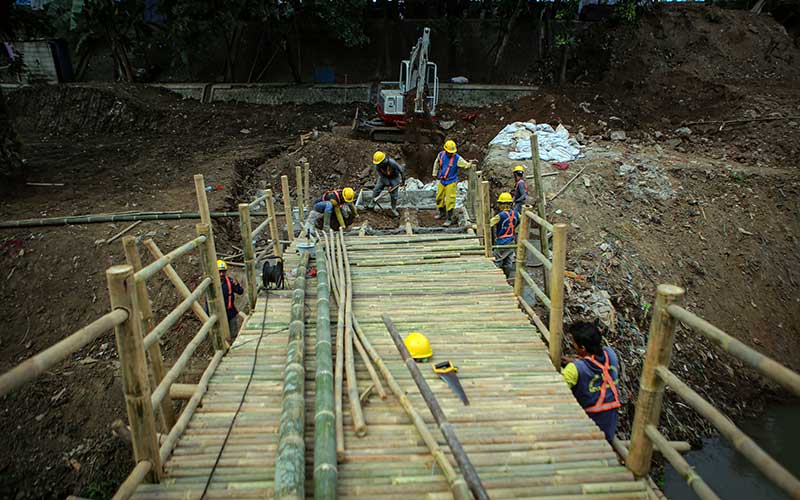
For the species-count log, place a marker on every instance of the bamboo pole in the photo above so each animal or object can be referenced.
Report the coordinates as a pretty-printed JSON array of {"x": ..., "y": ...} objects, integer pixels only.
[
  {"x": 325, "y": 466},
  {"x": 684, "y": 469},
  {"x": 522, "y": 256},
  {"x": 651, "y": 387},
  {"x": 135, "y": 383},
  {"x": 356, "y": 413},
  {"x": 183, "y": 392},
  {"x": 177, "y": 281},
  {"x": 123, "y": 232},
  {"x": 463, "y": 461},
  {"x": 339, "y": 368},
  {"x": 679, "y": 446},
  {"x": 172, "y": 318},
  {"x": 249, "y": 255},
  {"x": 741, "y": 441},
  {"x": 135, "y": 478},
  {"x": 273, "y": 224},
  {"x": 152, "y": 268},
  {"x": 298, "y": 173},
  {"x": 34, "y": 366},
  {"x": 455, "y": 480},
  {"x": 126, "y": 217},
  {"x": 202, "y": 199},
  {"x": 556, "y": 321},
  {"x": 146, "y": 323},
  {"x": 536, "y": 319},
  {"x": 290, "y": 459},
  {"x": 541, "y": 205},
  {"x": 536, "y": 290},
  {"x": 216, "y": 304},
  {"x": 752, "y": 358},
  {"x": 477, "y": 200},
  {"x": 306, "y": 188},
  {"x": 486, "y": 208},
  {"x": 287, "y": 206}
]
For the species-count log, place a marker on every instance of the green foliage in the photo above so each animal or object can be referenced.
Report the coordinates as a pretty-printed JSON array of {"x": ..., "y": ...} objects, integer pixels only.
[
  {"x": 344, "y": 19},
  {"x": 565, "y": 40},
  {"x": 100, "y": 489},
  {"x": 626, "y": 10}
]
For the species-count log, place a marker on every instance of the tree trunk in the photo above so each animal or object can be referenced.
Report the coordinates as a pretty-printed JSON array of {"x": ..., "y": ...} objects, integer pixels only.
[
  {"x": 10, "y": 163},
  {"x": 562, "y": 75}
]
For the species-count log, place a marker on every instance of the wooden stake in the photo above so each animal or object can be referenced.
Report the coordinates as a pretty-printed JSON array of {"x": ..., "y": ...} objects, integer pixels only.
[
  {"x": 467, "y": 469},
  {"x": 249, "y": 251},
  {"x": 135, "y": 383},
  {"x": 356, "y": 413},
  {"x": 556, "y": 323},
  {"x": 651, "y": 387},
  {"x": 273, "y": 224},
  {"x": 298, "y": 173},
  {"x": 287, "y": 206},
  {"x": 176, "y": 280},
  {"x": 216, "y": 303},
  {"x": 485, "y": 210},
  {"x": 522, "y": 255},
  {"x": 146, "y": 323}
]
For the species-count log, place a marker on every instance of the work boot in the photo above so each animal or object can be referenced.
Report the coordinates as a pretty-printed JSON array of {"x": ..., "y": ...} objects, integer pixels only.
[
  {"x": 449, "y": 218},
  {"x": 326, "y": 221},
  {"x": 441, "y": 213},
  {"x": 394, "y": 209}
]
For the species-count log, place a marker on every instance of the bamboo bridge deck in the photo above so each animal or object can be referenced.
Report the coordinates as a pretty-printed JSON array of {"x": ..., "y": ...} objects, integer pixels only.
[{"x": 523, "y": 430}]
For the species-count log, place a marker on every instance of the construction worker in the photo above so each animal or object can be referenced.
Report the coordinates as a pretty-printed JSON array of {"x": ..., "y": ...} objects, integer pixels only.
[
  {"x": 330, "y": 202},
  {"x": 390, "y": 176},
  {"x": 520, "y": 188},
  {"x": 505, "y": 223},
  {"x": 419, "y": 347},
  {"x": 445, "y": 168},
  {"x": 594, "y": 377},
  {"x": 230, "y": 288}
]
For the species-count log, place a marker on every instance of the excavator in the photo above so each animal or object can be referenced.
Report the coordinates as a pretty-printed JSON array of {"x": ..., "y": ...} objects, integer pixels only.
[{"x": 407, "y": 108}]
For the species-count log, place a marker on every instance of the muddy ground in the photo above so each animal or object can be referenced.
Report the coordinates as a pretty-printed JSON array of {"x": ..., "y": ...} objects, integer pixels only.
[{"x": 716, "y": 211}]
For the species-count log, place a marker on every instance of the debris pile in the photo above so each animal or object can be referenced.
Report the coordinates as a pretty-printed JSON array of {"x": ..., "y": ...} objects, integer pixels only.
[{"x": 554, "y": 144}]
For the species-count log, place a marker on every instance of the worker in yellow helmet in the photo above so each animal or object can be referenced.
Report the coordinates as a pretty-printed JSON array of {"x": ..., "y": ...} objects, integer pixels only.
[
  {"x": 332, "y": 201},
  {"x": 520, "y": 188},
  {"x": 445, "y": 169},
  {"x": 418, "y": 346},
  {"x": 506, "y": 222},
  {"x": 230, "y": 287},
  {"x": 390, "y": 176}
]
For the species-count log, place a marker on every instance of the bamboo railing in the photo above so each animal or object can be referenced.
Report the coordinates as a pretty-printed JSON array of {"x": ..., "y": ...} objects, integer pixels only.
[
  {"x": 656, "y": 375},
  {"x": 553, "y": 266},
  {"x": 251, "y": 236}
]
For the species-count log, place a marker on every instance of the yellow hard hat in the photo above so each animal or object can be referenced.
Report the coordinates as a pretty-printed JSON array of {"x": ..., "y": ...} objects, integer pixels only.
[
  {"x": 505, "y": 198},
  {"x": 519, "y": 168},
  {"x": 418, "y": 346},
  {"x": 378, "y": 157},
  {"x": 450, "y": 146},
  {"x": 349, "y": 194},
  {"x": 221, "y": 265}
]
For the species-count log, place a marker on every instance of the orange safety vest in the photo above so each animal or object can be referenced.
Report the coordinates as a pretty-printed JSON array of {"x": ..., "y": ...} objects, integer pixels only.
[
  {"x": 601, "y": 405},
  {"x": 229, "y": 305},
  {"x": 510, "y": 228}
]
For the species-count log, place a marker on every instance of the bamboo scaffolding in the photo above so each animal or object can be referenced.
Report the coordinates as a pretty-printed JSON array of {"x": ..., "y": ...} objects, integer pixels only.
[
  {"x": 249, "y": 254},
  {"x": 176, "y": 280},
  {"x": 261, "y": 228},
  {"x": 135, "y": 478},
  {"x": 356, "y": 412},
  {"x": 752, "y": 358},
  {"x": 684, "y": 469},
  {"x": 464, "y": 463},
  {"x": 287, "y": 206},
  {"x": 290, "y": 458},
  {"x": 154, "y": 267},
  {"x": 743, "y": 443},
  {"x": 325, "y": 466},
  {"x": 273, "y": 224},
  {"x": 136, "y": 386},
  {"x": 216, "y": 304},
  {"x": 167, "y": 413},
  {"x": 521, "y": 255},
  {"x": 556, "y": 320},
  {"x": 298, "y": 173},
  {"x": 34, "y": 366},
  {"x": 172, "y": 318}
]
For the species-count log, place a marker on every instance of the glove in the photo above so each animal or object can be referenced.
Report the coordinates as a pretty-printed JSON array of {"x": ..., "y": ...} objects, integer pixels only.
[{"x": 326, "y": 221}]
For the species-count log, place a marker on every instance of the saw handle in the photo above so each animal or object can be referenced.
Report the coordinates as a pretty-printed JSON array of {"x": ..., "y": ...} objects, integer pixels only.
[{"x": 444, "y": 367}]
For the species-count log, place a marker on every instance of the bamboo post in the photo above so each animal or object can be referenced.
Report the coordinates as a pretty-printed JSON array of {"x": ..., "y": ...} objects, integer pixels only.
[
  {"x": 306, "y": 189},
  {"x": 325, "y": 465},
  {"x": 541, "y": 206},
  {"x": 298, "y": 173},
  {"x": 339, "y": 368},
  {"x": 176, "y": 280},
  {"x": 472, "y": 192},
  {"x": 249, "y": 252},
  {"x": 485, "y": 209},
  {"x": 463, "y": 461},
  {"x": 556, "y": 323},
  {"x": 273, "y": 224},
  {"x": 290, "y": 463},
  {"x": 135, "y": 383},
  {"x": 356, "y": 413},
  {"x": 522, "y": 252},
  {"x": 287, "y": 206},
  {"x": 216, "y": 304},
  {"x": 146, "y": 323},
  {"x": 651, "y": 387},
  {"x": 202, "y": 199}
]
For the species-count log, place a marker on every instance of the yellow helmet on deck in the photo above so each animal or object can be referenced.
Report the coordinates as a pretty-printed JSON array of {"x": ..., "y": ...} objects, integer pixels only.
[
  {"x": 450, "y": 146},
  {"x": 378, "y": 157},
  {"x": 505, "y": 198},
  {"x": 418, "y": 346},
  {"x": 348, "y": 194}
]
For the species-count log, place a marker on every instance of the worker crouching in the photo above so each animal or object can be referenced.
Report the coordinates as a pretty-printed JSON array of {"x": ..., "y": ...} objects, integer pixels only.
[
  {"x": 505, "y": 224},
  {"x": 594, "y": 377},
  {"x": 391, "y": 175},
  {"x": 331, "y": 202},
  {"x": 445, "y": 169}
]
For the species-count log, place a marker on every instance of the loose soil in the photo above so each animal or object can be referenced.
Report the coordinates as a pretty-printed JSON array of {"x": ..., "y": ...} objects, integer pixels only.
[{"x": 716, "y": 211}]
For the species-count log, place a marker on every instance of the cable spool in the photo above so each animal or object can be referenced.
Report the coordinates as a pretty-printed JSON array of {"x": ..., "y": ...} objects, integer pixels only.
[{"x": 272, "y": 273}]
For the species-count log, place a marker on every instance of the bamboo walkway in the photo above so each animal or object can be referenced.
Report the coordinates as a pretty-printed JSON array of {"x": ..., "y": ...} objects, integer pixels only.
[{"x": 523, "y": 431}]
